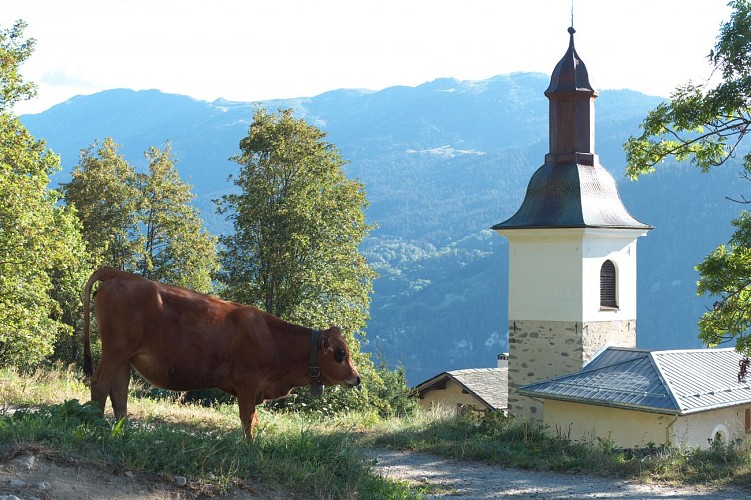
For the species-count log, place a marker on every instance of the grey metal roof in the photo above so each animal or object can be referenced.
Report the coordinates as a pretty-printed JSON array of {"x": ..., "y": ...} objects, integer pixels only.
[
  {"x": 488, "y": 385},
  {"x": 613, "y": 355},
  {"x": 572, "y": 195},
  {"x": 678, "y": 381}
]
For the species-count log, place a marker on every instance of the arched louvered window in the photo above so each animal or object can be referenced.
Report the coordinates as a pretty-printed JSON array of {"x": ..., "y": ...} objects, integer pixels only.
[{"x": 607, "y": 285}]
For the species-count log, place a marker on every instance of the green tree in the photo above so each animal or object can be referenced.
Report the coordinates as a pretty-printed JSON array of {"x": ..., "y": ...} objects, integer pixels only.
[
  {"x": 298, "y": 225},
  {"x": 103, "y": 188},
  {"x": 40, "y": 247},
  {"x": 142, "y": 223},
  {"x": 700, "y": 123},
  {"x": 70, "y": 269},
  {"x": 176, "y": 249},
  {"x": 705, "y": 124},
  {"x": 33, "y": 232},
  {"x": 14, "y": 51}
]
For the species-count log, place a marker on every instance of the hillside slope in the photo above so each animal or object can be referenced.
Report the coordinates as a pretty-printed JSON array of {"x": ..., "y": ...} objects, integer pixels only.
[{"x": 441, "y": 163}]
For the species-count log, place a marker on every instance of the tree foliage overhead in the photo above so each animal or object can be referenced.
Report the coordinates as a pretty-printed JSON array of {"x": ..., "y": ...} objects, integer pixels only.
[
  {"x": 700, "y": 123},
  {"x": 706, "y": 125},
  {"x": 141, "y": 222},
  {"x": 726, "y": 274},
  {"x": 298, "y": 224}
]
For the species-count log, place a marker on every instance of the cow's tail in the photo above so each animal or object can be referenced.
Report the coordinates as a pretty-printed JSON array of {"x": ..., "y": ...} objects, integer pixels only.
[{"x": 101, "y": 274}]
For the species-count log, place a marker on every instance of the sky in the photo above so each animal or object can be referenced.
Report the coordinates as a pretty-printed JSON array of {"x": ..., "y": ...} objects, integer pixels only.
[{"x": 251, "y": 50}]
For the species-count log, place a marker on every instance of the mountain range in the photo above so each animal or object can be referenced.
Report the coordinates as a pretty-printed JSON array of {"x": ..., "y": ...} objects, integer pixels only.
[{"x": 441, "y": 163}]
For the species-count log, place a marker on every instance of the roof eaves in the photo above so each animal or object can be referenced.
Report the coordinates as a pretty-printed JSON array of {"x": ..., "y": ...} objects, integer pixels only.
[
  {"x": 610, "y": 404},
  {"x": 431, "y": 381},
  {"x": 717, "y": 406}
]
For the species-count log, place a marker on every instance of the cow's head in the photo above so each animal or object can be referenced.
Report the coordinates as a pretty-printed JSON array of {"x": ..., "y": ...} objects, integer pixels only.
[{"x": 335, "y": 361}]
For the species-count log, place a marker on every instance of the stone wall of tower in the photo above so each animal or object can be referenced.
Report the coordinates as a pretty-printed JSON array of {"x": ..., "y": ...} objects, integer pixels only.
[
  {"x": 540, "y": 350},
  {"x": 599, "y": 334}
]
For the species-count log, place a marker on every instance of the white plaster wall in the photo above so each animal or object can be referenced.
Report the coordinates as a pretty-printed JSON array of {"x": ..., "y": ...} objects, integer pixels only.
[
  {"x": 545, "y": 270},
  {"x": 618, "y": 246},
  {"x": 694, "y": 431},
  {"x": 554, "y": 274}
]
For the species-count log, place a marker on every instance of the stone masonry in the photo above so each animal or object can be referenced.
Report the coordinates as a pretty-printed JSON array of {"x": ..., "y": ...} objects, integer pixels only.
[{"x": 541, "y": 350}]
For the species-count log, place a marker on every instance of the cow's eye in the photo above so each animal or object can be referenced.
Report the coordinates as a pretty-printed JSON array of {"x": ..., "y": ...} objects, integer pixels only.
[{"x": 339, "y": 355}]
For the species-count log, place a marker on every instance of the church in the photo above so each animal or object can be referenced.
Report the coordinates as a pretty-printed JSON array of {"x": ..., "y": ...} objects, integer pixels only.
[{"x": 573, "y": 365}]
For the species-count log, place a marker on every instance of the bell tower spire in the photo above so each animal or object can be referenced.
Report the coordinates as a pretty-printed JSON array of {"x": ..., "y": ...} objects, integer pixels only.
[
  {"x": 572, "y": 110},
  {"x": 572, "y": 249}
]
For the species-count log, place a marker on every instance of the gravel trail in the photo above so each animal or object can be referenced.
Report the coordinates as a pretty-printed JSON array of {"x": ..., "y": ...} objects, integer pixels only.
[{"x": 445, "y": 477}]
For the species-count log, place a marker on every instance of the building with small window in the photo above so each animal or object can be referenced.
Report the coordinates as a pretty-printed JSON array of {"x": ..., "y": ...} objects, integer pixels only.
[
  {"x": 572, "y": 250},
  {"x": 573, "y": 364},
  {"x": 687, "y": 398},
  {"x": 473, "y": 389}
]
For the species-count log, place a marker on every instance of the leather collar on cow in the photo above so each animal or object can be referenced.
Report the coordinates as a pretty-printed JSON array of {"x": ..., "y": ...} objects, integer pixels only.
[{"x": 316, "y": 387}]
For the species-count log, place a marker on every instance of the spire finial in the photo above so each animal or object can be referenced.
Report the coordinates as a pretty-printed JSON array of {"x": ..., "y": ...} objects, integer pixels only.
[
  {"x": 572, "y": 15},
  {"x": 571, "y": 29}
]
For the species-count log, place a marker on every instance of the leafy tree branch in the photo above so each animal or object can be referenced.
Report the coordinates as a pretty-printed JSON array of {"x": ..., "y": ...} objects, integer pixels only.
[{"x": 707, "y": 125}]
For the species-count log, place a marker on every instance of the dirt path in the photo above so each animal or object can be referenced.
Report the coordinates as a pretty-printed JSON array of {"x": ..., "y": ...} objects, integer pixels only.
[
  {"x": 444, "y": 477},
  {"x": 27, "y": 477}
]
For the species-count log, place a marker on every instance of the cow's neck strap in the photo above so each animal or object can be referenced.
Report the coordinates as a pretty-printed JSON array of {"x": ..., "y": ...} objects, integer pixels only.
[{"x": 316, "y": 387}]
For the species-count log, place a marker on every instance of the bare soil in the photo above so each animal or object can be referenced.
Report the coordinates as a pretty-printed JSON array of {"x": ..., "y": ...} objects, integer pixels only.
[
  {"x": 28, "y": 476},
  {"x": 36, "y": 476}
]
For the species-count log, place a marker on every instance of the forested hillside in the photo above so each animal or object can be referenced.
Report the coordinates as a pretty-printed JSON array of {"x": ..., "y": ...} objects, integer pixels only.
[{"x": 441, "y": 163}]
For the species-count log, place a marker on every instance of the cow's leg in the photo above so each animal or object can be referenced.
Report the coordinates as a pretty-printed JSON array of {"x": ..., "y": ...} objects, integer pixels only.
[
  {"x": 99, "y": 390},
  {"x": 104, "y": 380},
  {"x": 119, "y": 392},
  {"x": 247, "y": 403}
]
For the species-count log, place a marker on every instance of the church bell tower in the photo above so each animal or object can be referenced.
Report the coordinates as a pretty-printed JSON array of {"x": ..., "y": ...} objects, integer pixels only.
[{"x": 572, "y": 249}]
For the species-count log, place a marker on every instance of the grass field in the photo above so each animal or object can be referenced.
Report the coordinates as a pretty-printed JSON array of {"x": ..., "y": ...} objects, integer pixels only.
[{"x": 307, "y": 454}]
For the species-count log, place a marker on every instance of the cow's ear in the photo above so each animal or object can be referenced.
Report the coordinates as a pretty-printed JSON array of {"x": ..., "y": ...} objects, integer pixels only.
[{"x": 326, "y": 341}]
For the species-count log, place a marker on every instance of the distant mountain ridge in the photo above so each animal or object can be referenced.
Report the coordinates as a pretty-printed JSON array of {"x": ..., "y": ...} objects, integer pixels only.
[{"x": 441, "y": 163}]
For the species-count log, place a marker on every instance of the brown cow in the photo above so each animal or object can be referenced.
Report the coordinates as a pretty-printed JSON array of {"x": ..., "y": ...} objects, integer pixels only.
[{"x": 182, "y": 340}]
